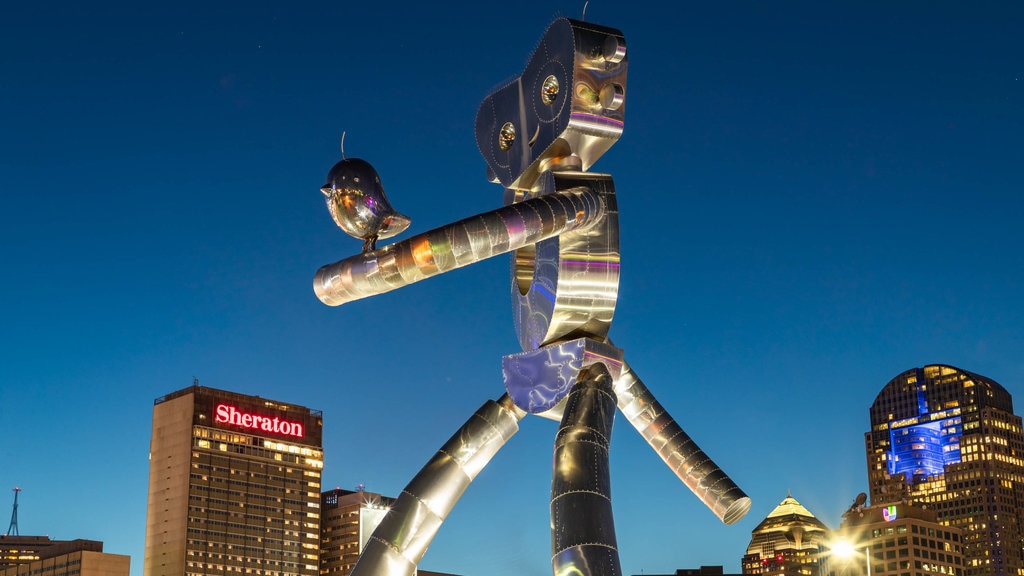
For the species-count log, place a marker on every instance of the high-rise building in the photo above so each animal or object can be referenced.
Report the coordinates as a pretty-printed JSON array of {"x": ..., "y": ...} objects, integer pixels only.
[
  {"x": 787, "y": 542},
  {"x": 948, "y": 439},
  {"x": 234, "y": 486},
  {"x": 894, "y": 540},
  {"x": 348, "y": 518}
]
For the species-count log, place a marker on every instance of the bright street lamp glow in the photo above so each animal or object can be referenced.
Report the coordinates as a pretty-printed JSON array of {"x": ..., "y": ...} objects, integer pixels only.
[
  {"x": 846, "y": 550},
  {"x": 843, "y": 549}
]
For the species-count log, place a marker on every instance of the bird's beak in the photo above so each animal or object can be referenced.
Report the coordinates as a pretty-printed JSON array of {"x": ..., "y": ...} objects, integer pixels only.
[{"x": 327, "y": 191}]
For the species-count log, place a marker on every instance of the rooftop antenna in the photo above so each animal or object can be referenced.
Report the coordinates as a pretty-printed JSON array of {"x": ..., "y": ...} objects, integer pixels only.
[{"x": 12, "y": 530}]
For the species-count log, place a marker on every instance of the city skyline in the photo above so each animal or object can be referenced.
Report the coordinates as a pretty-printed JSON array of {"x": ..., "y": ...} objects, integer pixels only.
[{"x": 813, "y": 199}]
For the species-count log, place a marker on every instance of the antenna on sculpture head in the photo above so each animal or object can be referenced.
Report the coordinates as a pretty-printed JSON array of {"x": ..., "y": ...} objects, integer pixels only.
[
  {"x": 583, "y": 18},
  {"x": 343, "y": 145}
]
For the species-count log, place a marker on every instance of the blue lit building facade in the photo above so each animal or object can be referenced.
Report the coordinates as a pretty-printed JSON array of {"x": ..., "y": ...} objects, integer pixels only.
[{"x": 948, "y": 440}]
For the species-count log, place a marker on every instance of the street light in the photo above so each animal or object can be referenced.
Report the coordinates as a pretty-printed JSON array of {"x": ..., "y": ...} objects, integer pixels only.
[{"x": 844, "y": 549}]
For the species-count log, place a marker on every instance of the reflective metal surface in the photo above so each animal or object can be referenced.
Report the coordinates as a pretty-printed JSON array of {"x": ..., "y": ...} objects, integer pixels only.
[
  {"x": 554, "y": 120},
  {"x": 700, "y": 474},
  {"x": 538, "y": 135},
  {"x": 356, "y": 201},
  {"x": 582, "y": 530},
  {"x": 538, "y": 380},
  {"x": 554, "y": 107},
  {"x": 456, "y": 245},
  {"x": 567, "y": 286},
  {"x": 401, "y": 539}
]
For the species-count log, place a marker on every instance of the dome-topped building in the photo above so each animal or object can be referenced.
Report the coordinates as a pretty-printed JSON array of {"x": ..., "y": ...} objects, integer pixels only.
[{"x": 787, "y": 541}]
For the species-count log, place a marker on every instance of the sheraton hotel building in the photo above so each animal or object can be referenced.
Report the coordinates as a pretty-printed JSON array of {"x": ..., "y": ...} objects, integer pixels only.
[{"x": 234, "y": 486}]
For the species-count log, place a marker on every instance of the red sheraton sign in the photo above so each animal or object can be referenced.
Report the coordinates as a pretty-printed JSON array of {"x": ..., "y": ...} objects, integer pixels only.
[{"x": 227, "y": 414}]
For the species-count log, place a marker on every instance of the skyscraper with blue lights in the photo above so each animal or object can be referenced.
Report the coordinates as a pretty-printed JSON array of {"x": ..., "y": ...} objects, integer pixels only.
[{"x": 948, "y": 440}]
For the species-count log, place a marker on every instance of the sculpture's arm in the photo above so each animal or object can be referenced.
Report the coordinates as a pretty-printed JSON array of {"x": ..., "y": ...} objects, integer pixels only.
[{"x": 455, "y": 245}]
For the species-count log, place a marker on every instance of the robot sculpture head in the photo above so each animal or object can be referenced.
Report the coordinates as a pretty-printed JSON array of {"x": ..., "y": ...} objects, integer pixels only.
[
  {"x": 356, "y": 201},
  {"x": 539, "y": 134},
  {"x": 564, "y": 111}
]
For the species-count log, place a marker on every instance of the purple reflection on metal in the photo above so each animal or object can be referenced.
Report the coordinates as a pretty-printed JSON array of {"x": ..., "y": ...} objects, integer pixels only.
[
  {"x": 539, "y": 379},
  {"x": 544, "y": 291},
  {"x": 594, "y": 119}
]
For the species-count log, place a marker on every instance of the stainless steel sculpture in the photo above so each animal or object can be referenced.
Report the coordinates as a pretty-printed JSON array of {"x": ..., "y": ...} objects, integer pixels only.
[
  {"x": 539, "y": 135},
  {"x": 356, "y": 201}
]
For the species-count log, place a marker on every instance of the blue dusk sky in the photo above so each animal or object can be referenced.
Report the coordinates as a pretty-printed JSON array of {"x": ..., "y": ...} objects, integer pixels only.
[{"x": 814, "y": 198}]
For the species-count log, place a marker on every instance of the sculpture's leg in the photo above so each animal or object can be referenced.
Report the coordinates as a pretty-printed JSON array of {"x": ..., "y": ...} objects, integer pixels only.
[
  {"x": 679, "y": 451},
  {"x": 398, "y": 544},
  {"x": 582, "y": 531}
]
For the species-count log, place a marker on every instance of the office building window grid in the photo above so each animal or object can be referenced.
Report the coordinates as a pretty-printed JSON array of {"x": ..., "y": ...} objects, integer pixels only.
[
  {"x": 968, "y": 465},
  {"x": 234, "y": 486}
]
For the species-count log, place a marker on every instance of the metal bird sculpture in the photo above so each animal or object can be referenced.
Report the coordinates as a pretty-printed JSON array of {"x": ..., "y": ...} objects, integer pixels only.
[{"x": 356, "y": 201}]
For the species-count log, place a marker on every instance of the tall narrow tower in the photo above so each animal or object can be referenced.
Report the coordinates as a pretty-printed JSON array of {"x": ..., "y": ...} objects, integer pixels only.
[
  {"x": 12, "y": 530},
  {"x": 948, "y": 439}
]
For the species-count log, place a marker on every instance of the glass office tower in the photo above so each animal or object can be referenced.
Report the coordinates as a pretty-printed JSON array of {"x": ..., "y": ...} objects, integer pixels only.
[
  {"x": 234, "y": 486},
  {"x": 948, "y": 439}
]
